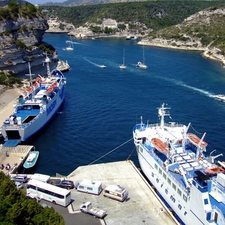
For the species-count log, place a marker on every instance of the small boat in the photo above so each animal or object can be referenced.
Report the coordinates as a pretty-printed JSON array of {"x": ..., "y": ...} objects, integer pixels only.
[
  {"x": 220, "y": 97},
  {"x": 159, "y": 145},
  {"x": 216, "y": 169},
  {"x": 102, "y": 66},
  {"x": 122, "y": 66},
  {"x": 70, "y": 47},
  {"x": 196, "y": 140},
  {"x": 128, "y": 37},
  {"x": 142, "y": 65},
  {"x": 31, "y": 160}
]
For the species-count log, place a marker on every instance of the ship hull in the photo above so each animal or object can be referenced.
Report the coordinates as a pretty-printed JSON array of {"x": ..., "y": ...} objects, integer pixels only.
[{"x": 24, "y": 133}]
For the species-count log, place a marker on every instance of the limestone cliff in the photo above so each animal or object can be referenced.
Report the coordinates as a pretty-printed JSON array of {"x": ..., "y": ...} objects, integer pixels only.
[{"x": 21, "y": 32}]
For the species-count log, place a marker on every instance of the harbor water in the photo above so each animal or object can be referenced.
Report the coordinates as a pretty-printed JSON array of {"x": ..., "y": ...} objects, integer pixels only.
[{"x": 102, "y": 105}]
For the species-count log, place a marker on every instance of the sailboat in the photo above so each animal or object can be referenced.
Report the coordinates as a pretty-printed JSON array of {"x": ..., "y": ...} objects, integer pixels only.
[
  {"x": 70, "y": 47},
  {"x": 142, "y": 65},
  {"x": 122, "y": 66}
]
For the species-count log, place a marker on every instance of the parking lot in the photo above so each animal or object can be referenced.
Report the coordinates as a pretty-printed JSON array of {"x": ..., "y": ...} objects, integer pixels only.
[{"x": 142, "y": 206}]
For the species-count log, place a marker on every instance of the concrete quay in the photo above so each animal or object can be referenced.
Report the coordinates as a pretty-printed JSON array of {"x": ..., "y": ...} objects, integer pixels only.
[
  {"x": 143, "y": 205},
  {"x": 14, "y": 157}
]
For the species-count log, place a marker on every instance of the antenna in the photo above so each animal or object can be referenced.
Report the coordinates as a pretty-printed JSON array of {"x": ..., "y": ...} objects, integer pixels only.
[{"x": 30, "y": 75}]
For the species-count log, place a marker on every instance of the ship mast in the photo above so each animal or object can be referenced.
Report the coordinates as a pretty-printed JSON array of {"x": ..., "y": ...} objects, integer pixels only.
[
  {"x": 47, "y": 61},
  {"x": 30, "y": 75},
  {"x": 162, "y": 113}
]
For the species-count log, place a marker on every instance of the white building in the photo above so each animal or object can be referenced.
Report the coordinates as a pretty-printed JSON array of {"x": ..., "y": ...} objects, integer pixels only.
[{"x": 109, "y": 23}]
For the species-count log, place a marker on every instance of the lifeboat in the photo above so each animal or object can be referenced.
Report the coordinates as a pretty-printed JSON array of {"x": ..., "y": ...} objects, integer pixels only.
[
  {"x": 35, "y": 85},
  {"x": 217, "y": 169},
  {"x": 38, "y": 79},
  {"x": 195, "y": 140},
  {"x": 29, "y": 90},
  {"x": 160, "y": 146},
  {"x": 54, "y": 85},
  {"x": 50, "y": 89}
]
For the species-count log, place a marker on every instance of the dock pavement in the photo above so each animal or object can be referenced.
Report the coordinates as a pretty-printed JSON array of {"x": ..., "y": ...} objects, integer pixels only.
[
  {"x": 143, "y": 205},
  {"x": 12, "y": 158}
]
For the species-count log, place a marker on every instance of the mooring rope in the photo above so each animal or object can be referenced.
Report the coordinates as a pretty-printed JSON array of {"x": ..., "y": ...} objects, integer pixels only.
[{"x": 111, "y": 151}]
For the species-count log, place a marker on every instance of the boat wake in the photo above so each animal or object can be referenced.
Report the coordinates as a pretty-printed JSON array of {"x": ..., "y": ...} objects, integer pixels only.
[
  {"x": 207, "y": 93},
  {"x": 201, "y": 91},
  {"x": 73, "y": 42},
  {"x": 95, "y": 64}
]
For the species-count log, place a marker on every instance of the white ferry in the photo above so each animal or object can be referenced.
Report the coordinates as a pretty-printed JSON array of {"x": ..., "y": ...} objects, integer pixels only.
[
  {"x": 173, "y": 160},
  {"x": 36, "y": 107}
]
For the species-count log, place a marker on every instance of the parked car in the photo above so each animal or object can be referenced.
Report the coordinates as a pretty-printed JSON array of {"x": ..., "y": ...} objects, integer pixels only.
[
  {"x": 20, "y": 178},
  {"x": 68, "y": 184},
  {"x": 18, "y": 185}
]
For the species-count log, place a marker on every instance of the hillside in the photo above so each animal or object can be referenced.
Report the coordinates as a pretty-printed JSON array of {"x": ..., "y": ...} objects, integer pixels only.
[
  {"x": 95, "y": 2},
  {"x": 203, "y": 31},
  {"x": 190, "y": 25},
  {"x": 155, "y": 15}
]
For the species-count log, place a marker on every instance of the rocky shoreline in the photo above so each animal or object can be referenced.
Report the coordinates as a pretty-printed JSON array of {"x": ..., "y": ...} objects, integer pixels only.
[
  {"x": 85, "y": 33},
  {"x": 209, "y": 53}
]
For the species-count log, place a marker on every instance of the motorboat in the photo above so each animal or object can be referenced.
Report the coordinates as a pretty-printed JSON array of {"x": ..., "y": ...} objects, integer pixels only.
[
  {"x": 31, "y": 160},
  {"x": 220, "y": 97}
]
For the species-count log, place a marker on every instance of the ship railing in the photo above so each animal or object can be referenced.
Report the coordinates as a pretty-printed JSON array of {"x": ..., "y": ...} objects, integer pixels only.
[{"x": 166, "y": 124}]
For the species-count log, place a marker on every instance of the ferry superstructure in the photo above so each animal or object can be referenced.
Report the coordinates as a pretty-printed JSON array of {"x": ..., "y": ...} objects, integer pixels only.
[
  {"x": 36, "y": 107},
  {"x": 173, "y": 160}
]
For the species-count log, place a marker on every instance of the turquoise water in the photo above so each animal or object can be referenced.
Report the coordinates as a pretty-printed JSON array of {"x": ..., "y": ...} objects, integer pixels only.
[{"x": 103, "y": 105}]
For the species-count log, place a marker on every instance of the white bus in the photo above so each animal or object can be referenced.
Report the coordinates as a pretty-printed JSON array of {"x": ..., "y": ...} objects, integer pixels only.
[{"x": 40, "y": 190}]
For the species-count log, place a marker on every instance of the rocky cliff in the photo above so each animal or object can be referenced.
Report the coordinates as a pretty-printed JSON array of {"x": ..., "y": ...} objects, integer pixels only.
[{"x": 21, "y": 32}]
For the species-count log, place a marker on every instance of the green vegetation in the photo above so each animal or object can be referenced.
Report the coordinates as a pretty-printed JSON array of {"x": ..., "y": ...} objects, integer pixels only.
[
  {"x": 17, "y": 209},
  {"x": 14, "y": 10},
  {"x": 8, "y": 80},
  {"x": 155, "y": 15},
  {"x": 208, "y": 28}
]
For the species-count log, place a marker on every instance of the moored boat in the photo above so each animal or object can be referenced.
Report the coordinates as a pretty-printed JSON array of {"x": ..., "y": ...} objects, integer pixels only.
[
  {"x": 173, "y": 160},
  {"x": 31, "y": 160},
  {"x": 36, "y": 107}
]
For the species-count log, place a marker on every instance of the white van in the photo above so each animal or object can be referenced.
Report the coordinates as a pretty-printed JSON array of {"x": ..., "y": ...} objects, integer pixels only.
[
  {"x": 90, "y": 186},
  {"x": 116, "y": 192},
  {"x": 41, "y": 177}
]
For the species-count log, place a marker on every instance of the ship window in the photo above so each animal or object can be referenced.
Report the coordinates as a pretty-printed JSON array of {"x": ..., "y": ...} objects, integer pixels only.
[
  {"x": 174, "y": 186},
  {"x": 206, "y": 202},
  {"x": 185, "y": 198},
  {"x": 169, "y": 181},
  {"x": 160, "y": 171},
  {"x": 179, "y": 192},
  {"x": 152, "y": 174},
  {"x": 156, "y": 166},
  {"x": 164, "y": 176},
  {"x": 179, "y": 206}
]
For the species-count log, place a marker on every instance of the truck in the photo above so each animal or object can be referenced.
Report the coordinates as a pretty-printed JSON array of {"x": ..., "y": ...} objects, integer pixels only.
[{"x": 88, "y": 208}]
